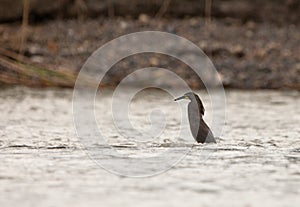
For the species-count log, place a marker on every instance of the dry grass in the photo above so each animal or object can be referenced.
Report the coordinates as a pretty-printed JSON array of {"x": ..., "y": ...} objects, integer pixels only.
[{"x": 18, "y": 69}]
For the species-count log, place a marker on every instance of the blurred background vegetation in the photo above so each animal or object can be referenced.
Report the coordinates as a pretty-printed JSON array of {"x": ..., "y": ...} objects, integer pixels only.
[{"x": 254, "y": 44}]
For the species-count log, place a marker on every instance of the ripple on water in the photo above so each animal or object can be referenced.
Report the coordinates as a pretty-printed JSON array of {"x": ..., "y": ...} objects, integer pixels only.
[{"x": 258, "y": 155}]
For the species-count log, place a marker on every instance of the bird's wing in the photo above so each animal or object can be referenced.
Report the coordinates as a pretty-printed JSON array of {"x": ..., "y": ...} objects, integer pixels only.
[{"x": 204, "y": 134}]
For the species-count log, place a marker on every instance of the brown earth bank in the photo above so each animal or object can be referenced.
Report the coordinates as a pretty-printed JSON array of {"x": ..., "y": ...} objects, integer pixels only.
[
  {"x": 248, "y": 55},
  {"x": 253, "y": 44},
  {"x": 276, "y": 11}
]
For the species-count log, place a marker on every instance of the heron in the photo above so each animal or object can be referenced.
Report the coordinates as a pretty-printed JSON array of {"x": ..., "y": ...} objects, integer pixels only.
[{"x": 200, "y": 131}]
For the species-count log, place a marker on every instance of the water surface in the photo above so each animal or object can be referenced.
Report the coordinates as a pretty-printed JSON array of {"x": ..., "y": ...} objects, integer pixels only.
[{"x": 257, "y": 160}]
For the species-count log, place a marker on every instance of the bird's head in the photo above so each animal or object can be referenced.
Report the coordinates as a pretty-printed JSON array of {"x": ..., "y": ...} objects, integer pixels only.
[
  {"x": 194, "y": 98},
  {"x": 189, "y": 96}
]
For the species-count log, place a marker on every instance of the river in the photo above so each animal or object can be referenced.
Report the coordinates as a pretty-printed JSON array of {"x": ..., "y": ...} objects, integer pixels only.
[{"x": 256, "y": 162}]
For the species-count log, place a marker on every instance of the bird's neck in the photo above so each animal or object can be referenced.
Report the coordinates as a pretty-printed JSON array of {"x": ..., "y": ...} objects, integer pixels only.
[{"x": 197, "y": 103}]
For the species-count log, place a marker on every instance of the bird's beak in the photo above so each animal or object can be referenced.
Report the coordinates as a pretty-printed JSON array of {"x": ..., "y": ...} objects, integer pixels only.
[{"x": 181, "y": 97}]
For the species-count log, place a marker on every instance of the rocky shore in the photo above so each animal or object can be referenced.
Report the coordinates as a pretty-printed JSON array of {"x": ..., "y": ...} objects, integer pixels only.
[{"x": 251, "y": 46}]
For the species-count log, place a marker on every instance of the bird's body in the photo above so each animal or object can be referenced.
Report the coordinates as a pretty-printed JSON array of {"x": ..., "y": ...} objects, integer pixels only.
[{"x": 200, "y": 131}]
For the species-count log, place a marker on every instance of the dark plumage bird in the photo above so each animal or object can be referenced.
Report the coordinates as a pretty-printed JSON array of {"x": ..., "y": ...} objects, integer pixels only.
[{"x": 199, "y": 128}]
